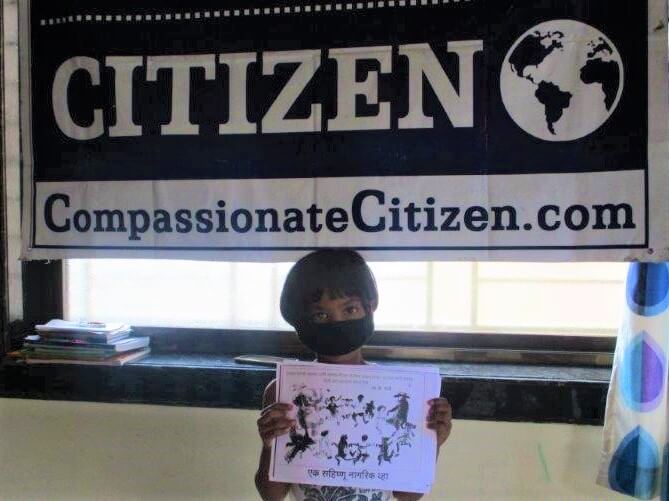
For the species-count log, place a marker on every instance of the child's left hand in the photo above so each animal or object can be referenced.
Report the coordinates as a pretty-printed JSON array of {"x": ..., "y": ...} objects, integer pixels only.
[{"x": 439, "y": 419}]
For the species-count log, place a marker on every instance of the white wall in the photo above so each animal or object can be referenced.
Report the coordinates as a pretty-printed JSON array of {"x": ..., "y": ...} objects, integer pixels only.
[
  {"x": 11, "y": 157},
  {"x": 70, "y": 451}
]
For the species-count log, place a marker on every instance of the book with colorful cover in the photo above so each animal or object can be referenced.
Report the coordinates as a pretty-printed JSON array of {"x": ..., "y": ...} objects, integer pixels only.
[{"x": 75, "y": 345}]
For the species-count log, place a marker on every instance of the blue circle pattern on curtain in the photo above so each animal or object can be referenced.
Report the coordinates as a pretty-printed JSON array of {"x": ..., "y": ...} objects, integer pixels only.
[
  {"x": 635, "y": 467},
  {"x": 635, "y": 464},
  {"x": 642, "y": 375},
  {"x": 648, "y": 288}
]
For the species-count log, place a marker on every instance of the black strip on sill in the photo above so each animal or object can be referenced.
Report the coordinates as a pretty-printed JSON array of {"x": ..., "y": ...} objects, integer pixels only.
[{"x": 498, "y": 392}]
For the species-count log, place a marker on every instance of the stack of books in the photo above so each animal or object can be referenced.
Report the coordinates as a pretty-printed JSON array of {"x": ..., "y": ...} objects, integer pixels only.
[{"x": 87, "y": 343}]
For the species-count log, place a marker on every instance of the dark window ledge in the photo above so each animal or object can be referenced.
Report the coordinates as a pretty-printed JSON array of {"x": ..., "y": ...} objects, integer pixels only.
[{"x": 496, "y": 392}]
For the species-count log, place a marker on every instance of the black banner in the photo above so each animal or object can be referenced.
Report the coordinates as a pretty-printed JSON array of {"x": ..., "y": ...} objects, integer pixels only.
[{"x": 442, "y": 91}]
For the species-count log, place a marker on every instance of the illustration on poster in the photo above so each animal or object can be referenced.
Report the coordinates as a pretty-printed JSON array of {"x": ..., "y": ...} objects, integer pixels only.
[{"x": 384, "y": 427}]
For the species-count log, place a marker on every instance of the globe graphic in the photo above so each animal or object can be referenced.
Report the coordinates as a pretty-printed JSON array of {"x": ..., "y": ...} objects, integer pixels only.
[{"x": 561, "y": 80}]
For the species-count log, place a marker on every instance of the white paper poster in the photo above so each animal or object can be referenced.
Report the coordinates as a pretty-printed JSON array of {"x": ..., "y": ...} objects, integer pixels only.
[{"x": 357, "y": 426}]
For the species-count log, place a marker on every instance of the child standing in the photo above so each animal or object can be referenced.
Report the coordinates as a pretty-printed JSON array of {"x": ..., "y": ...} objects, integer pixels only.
[{"x": 329, "y": 297}]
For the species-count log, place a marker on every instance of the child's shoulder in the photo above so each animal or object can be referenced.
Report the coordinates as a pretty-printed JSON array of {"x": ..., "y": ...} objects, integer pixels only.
[{"x": 269, "y": 395}]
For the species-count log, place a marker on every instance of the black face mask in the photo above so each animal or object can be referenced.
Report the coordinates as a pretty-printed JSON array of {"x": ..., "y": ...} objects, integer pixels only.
[{"x": 336, "y": 338}]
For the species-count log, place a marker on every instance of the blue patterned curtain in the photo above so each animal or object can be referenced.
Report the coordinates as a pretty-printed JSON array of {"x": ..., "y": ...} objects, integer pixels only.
[{"x": 635, "y": 455}]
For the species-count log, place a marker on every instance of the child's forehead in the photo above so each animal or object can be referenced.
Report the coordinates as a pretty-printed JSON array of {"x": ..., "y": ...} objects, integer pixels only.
[{"x": 327, "y": 296}]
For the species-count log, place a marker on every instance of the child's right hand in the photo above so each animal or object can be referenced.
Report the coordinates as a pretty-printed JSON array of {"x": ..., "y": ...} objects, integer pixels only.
[{"x": 274, "y": 422}]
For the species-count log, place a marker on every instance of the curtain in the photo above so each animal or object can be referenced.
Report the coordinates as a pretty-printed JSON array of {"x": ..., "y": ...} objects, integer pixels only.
[{"x": 635, "y": 455}]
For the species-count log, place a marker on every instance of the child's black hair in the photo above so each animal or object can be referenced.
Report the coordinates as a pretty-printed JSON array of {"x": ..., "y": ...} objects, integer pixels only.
[{"x": 342, "y": 272}]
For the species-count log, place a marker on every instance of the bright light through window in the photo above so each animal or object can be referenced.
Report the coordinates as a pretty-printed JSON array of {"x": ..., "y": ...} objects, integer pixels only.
[{"x": 566, "y": 298}]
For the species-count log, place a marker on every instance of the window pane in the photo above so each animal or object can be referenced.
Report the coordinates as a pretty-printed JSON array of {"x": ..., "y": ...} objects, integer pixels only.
[
  {"x": 402, "y": 304},
  {"x": 452, "y": 295},
  {"x": 142, "y": 292},
  {"x": 547, "y": 306},
  {"x": 553, "y": 271},
  {"x": 390, "y": 270}
]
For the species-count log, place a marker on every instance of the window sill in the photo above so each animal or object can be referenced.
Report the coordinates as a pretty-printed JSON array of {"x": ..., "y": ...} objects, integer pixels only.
[{"x": 500, "y": 392}]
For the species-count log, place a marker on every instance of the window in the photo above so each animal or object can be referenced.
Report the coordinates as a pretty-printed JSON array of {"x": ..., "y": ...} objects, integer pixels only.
[{"x": 551, "y": 298}]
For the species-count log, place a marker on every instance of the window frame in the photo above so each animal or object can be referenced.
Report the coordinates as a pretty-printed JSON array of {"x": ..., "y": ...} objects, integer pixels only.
[
  {"x": 43, "y": 299},
  {"x": 4, "y": 289}
]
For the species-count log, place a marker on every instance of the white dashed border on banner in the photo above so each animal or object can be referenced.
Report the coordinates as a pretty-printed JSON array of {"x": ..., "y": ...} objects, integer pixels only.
[{"x": 243, "y": 12}]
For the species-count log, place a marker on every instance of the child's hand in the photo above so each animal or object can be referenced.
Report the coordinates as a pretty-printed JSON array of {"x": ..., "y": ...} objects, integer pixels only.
[
  {"x": 439, "y": 419},
  {"x": 274, "y": 422}
]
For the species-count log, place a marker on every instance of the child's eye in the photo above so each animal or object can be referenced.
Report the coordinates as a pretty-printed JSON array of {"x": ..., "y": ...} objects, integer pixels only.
[
  {"x": 319, "y": 317},
  {"x": 352, "y": 310}
]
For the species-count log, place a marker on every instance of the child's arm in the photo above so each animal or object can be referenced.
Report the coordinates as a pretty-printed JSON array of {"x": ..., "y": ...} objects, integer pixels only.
[
  {"x": 439, "y": 419},
  {"x": 273, "y": 422}
]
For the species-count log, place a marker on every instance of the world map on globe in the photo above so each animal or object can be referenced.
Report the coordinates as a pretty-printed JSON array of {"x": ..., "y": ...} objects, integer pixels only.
[{"x": 596, "y": 63}]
